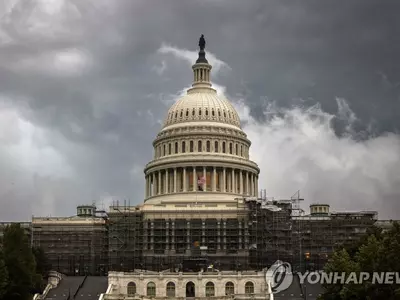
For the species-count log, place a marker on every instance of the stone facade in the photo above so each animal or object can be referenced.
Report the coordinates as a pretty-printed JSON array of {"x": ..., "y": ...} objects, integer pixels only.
[{"x": 202, "y": 285}]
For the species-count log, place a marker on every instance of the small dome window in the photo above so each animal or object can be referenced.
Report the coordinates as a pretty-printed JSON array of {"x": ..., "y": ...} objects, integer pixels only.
[
  {"x": 206, "y": 112},
  {"x": 176, "y": 115},
  {"x": 199, "y": 111},
  {"x": 187, "y": 113},
  {"x": 224, "y": 114},
  {"x": 213, "y": 112},
  {"x": 219, "y": 113},
  {"x": 193, "y": 112}
]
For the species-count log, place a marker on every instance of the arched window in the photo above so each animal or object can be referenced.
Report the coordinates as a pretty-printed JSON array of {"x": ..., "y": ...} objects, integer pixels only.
[
  {"x": 176, "y": 147},
  {"x": 183, "y": 147},
  {"x": 164, "y": 150},
  {"x": 176, "y": 115},
  {"x": 170, "y": 289},
  {"x": 210, "y": 289},
  {"x": 216, "y": 147},
  {"x": 230, "y": 148},
  {"x": 151, "y": 289},
  {"x": 199, "y": 111},
  {"x": 241, "y": 150},
  {"x": 212, "y": 112},
  {"x": 237, "y": 150},
  {"x": 193, "y": 112},
  {"x": 191, "y": 146},
  {"x": 169, "y": 148},
  {"x": 208, "y": 146},
  {"x": 206, "y": 112},
  {"x": 229, "y": 288},
  {"x": 181, "y": 113},
  {"x": 223, "y": 147},
  {"x": 131, "y": 288},
  {"x": 187, "y": 112},
  {"x": 249, "y": 288},
  {"x": 219, "y": 113},
  {"x": 199, "y": 146},
  {"x": 224, "y": 114}
]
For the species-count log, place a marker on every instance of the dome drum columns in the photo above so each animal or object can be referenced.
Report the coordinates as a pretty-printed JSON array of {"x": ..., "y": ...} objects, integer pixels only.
[{"x": 201, "y": 179}]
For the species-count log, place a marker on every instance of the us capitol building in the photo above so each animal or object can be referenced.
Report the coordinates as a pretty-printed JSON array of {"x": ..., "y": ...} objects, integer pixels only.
[{"x": 204, "y": 230}]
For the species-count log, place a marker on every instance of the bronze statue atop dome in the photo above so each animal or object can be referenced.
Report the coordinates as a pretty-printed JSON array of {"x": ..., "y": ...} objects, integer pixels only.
[
  {"x": 202, "y": 42},
  {"x": 202, "y": 53}
]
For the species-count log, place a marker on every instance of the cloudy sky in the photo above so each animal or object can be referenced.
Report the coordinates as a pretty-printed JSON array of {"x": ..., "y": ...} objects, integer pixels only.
[{"x": 85, "y": 86}]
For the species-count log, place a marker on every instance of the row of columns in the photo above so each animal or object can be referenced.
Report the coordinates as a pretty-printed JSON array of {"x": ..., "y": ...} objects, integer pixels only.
[
  {"x": 230, "y": 180},
  {"x": 222, "y": 239},
  {"x": 202, "y": 74}
]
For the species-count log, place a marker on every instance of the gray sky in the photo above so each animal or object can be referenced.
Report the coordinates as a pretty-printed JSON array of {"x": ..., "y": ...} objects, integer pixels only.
[{"x": 85, "y": 86}]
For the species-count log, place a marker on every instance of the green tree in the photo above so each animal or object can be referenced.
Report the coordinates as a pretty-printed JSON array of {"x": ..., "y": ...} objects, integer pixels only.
[
  {"x": 42, "y": 264},
  {"x": 3, "y": 276},
  {"x": 42, "y": 268},
  {"x": 341, "y": 262},
  {"x": 377, "y": 252},
  {"x": 20, "y": 263}
]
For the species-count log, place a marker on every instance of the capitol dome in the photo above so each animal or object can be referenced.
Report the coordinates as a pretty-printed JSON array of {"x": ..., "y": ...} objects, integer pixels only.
[
  {"x": 202, "y": 105},
  {"x": 201, "y": 155}
]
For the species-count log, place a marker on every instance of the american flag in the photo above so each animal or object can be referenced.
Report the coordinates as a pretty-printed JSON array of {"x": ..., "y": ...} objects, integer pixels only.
[{"x": 201, "y": 181}]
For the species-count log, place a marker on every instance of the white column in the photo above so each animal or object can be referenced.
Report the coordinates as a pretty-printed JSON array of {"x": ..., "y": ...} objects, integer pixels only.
[
  {"x": 166, "y": 181},
  {"x": 159, "y": 182},
  {"x": 153, "y": 192},
  {"x": 241, "y": 182},
  {"x": 205, "y": 178},
  {"x": 251, "y": 184},
  {"x": 224, "y": 180},
  {"x": 175, "y": 173},
  {"x": 233, "y": 181},
  {"x": 214, "y": 183},
  {"x": 256, "y": 183},
  {"x": 184, "y": 179},
  {"x": 247, "y": 183},
  {"x": 194, "y": 179},
  {"x": 146, "y": 187}
]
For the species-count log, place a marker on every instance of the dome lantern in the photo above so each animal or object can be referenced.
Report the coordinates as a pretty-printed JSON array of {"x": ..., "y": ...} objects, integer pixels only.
[{"x": 201, "y": 69}]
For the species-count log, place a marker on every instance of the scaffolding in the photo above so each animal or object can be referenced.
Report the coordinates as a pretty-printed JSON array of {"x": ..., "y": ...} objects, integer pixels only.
[
  {"x": 270, "y": 225},
  {"x": 250, "y": 233},
  {"x": 73, "y": 245},
  {"x": 158, "y": 238},
  {"x": 125, "y": 234},
  {"x": 319, "y": 235}
]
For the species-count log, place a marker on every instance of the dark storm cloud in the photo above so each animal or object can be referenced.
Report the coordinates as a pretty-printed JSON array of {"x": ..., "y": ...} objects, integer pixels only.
[{"x": 88, "y": 77}]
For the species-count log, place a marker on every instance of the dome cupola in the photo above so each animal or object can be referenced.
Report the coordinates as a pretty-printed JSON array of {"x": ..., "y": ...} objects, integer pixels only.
[{"x": 202, "y": 103}]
